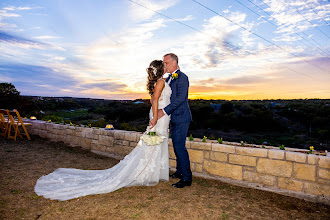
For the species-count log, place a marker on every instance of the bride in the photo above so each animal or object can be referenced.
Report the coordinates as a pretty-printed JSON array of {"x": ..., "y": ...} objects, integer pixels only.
[{"x": 145, "y": 165}]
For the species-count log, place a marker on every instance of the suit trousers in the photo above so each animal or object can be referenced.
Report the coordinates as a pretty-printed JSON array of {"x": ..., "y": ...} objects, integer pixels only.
[{"x": 178, "y": 134}]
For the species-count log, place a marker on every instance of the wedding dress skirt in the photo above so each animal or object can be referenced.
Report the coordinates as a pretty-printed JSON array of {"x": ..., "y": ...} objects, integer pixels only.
[{"x": 144, "y": 166}]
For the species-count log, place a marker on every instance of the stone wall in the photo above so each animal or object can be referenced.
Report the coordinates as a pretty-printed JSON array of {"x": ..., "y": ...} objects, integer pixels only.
[{"x": 286, "y": 172}]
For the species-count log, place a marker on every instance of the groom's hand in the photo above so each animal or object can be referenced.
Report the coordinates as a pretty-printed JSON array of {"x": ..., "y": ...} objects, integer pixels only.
[{"x": 160, "y": 113}]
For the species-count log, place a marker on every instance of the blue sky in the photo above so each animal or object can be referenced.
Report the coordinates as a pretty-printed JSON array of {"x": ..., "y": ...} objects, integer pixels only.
[{"x": 239, "y": 49}]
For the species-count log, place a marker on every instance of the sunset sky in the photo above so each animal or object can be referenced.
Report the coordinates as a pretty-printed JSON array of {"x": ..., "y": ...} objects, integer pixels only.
[{"x": 237, "y": 49}]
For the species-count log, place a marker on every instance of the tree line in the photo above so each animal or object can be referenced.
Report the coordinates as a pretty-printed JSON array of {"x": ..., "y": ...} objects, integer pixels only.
[{"x": 294, "y": 123}]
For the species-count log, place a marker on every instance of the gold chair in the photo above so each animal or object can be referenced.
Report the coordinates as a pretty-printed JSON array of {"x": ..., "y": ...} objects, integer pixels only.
[
  {"x": 4, "y": 122},
  {"x": 16, "y": 124}
]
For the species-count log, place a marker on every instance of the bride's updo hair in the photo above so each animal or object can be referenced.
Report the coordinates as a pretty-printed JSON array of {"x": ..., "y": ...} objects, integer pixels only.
[{"x": 155, "y": 71}]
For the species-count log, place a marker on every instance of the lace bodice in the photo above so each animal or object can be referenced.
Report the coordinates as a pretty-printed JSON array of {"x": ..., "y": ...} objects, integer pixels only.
[
  {"x": 164, "y": 100},
  {"x": 165, "y": 97}
]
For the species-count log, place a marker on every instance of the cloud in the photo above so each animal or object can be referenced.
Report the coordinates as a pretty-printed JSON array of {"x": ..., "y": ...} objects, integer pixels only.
[
  {"x": 40, "y": 80},
  {"x": 9, "y": 12},
  {"x": 187, "y": 18},
  {"x": 107, "y": 86},
  {"x": 113, "y": 53},
  {"x": 5, "y": 14},
  {"x": 21, "y": 42},
  {"x": 46, "y": 37},
  {"x": 13, "y": 8},
  {"x": 140, "y": 13},
  {"x": 297, "y": 16}
]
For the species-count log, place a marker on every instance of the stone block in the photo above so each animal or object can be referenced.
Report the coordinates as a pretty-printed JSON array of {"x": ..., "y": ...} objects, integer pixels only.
[
  {"x": 103, "y": 131},
  {"x": 101, "y": 148},
  {"x": 223, "y": 169},
  {"x": 276, "y": 154},
  {"x": 133, "y": 144},
  {"x": 171, "y": 153},
  {"x": 192, "y": 167},
  {"x": 51, "y": 136},
  {"x": 122, "y": 150},
  {"x": 290, "y": 184},
  {"x": 198, "y": 168},
  {"x": 59, "y": 132},
  {"x": 96, "y": 131},
  {"x": 60, "y": 127},
  {"x": 119, "y": 134},
  {"x": 111, "y": 150},
  {"x": 218, "y": 156},
  {"x": 72, "y": 140},
  {"x": 200, "y": 145},
  {"x": 274, "y": 167},
  {"x": 317, "y": 189},
  {"x": 251, "y": 151},
  {"x": 68, "y": 131},
  {"x": 86, "y": 131},
  {"x": 324, "y": 173},
  {"x": 61, "y": 138},
  {"x": 206, "y": 155},
  {"x": 323, "y": 181},
  {"x": 312, "y": 159},
  {"x": 172, "y": 163},
  {"x": 71, "y": 127},
  {"x": 242, "y": 160},
  {"x": 170, "y": 143},
  {"x": 246, "y": 168},
  {"x": 262, "y": 179},
  {"x": 304, "y": 171},
  {"x": 131, "y": 136},
  {"x": 121, "y": 142},
  {"x": 48, "y": 127},
  {"x": 107, "y": 132},
  {"x": 188, "y": 144},
  {"x": 296, "y": 157},
  {"x": 223, "y": 148},
  {"x": 107, "y": 141},
  {"x": 95, "y": 145},
  {"x": 324, "y": 162},
  {"x": 85, "y": 143},
  {"x": 43, "y": 133},
  {"x": 196, "y": 156}
]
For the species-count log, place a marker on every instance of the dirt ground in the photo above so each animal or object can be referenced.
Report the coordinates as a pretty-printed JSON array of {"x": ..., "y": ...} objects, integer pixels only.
[{"x": 23, "y": 162}]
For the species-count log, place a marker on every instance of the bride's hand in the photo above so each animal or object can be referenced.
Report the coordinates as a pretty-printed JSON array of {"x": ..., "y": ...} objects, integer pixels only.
[{"x": 152, "y": 123}]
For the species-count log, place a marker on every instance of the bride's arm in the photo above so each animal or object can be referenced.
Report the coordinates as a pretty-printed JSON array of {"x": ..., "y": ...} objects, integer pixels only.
[{"x": 155, "y": 97}]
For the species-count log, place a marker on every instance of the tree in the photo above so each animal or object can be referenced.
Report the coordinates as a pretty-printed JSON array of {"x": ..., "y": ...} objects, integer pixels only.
[{"x": 9, "y": 96}]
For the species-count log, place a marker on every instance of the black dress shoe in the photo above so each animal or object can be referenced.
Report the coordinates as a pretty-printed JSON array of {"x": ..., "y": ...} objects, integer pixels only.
[
  {"x": 182, "y": 183},
  {"x": 176, "y": 176}
]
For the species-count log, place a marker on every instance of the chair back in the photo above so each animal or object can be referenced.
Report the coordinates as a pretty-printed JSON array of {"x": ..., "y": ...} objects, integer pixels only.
[{"x": 4, "y": 122}]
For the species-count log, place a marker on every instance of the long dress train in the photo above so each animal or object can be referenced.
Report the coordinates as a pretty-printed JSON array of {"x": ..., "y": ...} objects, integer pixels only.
[{"x": 145, "y": 165}]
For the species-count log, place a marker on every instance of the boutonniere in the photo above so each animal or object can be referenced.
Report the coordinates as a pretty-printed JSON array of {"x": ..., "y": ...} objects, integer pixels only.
[{"x": 175, "y": 76}]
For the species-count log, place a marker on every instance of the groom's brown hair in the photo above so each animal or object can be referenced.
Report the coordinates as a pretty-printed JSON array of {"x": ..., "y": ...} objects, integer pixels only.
[{"x": 173, "y": 56}]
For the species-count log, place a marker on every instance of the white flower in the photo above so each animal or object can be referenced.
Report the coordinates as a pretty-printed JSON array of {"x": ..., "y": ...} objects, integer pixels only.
[{"x": 152, "y": 140}]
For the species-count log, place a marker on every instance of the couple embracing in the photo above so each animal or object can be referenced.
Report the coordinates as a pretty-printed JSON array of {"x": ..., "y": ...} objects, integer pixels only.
[{"x": 146, "y": 165}]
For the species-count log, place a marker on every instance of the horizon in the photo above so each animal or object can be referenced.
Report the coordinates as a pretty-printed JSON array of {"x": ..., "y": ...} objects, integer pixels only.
[
  {"x": 236, "y": 50},
  {"x": 188, "y": 98}
]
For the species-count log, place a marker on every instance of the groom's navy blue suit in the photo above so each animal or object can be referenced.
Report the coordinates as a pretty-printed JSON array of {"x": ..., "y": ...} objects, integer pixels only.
[{"x": 179, "y": 124}]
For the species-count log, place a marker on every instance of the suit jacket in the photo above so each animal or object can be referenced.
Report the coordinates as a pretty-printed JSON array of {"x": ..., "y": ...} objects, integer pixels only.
[{"x": 179, "y": 107}]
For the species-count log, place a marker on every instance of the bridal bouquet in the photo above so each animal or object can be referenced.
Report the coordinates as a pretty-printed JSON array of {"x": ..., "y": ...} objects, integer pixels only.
[{"x": 151, "y": 138}]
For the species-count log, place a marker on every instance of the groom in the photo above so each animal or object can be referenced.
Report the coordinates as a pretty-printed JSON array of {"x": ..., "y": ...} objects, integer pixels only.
[{"x": 180, "y": 118}]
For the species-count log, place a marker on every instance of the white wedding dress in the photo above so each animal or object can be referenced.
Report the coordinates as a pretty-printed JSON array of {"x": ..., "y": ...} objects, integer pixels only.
[{"x": 145, "y": 165}]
